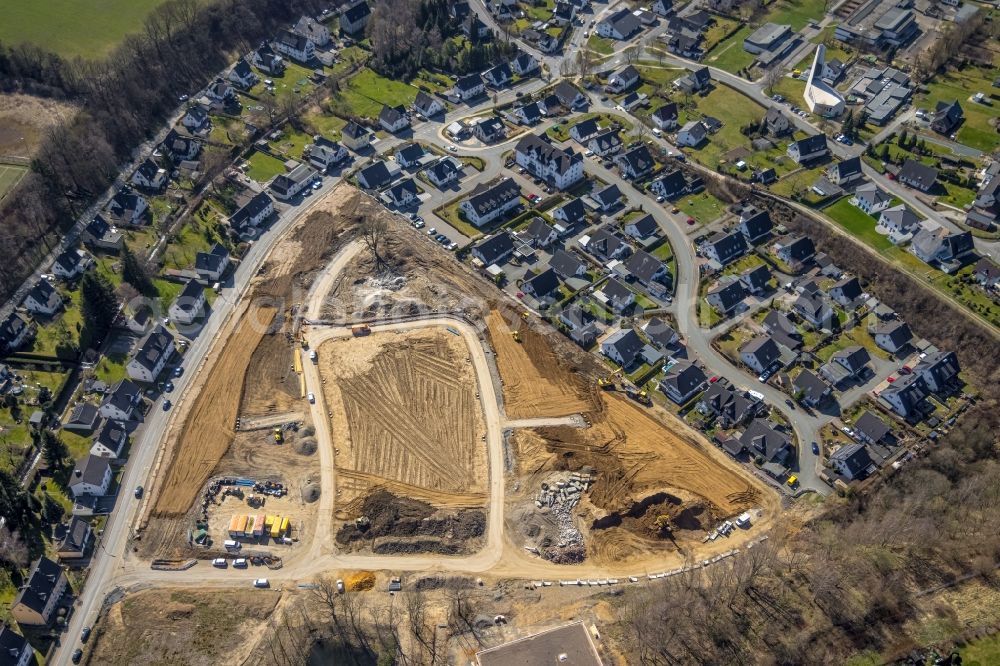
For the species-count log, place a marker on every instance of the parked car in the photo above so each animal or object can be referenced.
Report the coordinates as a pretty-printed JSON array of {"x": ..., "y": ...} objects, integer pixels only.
[
  {"x": 77, "y": 656},
  {"x": 311, "y": 397},
  {"x": 220, "y": 563},
  {"x": 138, "y": 492},
  {"x": 815, "y": 448},
  {"x": 85, "y": 634},
  {"x": 240, "y": 563},
  {"x": 167, "y": 405},
  {"x": 261, "y": 582},
  {"x": 168, "y": 387},
  {"x": 178, "y": 371},
  {"x": 432, "y": 232}
]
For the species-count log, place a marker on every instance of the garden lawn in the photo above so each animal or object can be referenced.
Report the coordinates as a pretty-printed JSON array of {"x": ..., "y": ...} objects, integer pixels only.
[
  {"x": 600, "y": 45},
  {"x": 975, "y": 131},
  {"x": 734, "y": 110},
  {"x": 195, "y": 236},
  {"x": 796, "y": 13},
  {"x": 264, "y": 167},
  {"x": 859, "y": 223},
  {"x": 703, "y": 207},
  {"x": 366, "y": 93},
  {"x": 729, "y": 54}
]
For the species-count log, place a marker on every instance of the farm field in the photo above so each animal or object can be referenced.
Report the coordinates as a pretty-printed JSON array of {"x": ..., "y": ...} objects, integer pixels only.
[
  {"x": 73, "y": 28},
  {"x": 406, "y": 415}
]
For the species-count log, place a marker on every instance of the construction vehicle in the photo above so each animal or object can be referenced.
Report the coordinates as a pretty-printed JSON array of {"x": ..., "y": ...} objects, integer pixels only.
[
  {"x": 279, "y": 436},
  {"x": 360, "y": 330},
  {"x": 524, "y": 315},
  {"x": 516, "y": 335},
  {"x": 639, "y": 396},
  {"x": 607, "y": 383}
]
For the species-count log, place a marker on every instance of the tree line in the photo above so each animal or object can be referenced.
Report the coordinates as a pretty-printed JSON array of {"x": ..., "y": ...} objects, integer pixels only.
[{"x": 123, "y": 100}]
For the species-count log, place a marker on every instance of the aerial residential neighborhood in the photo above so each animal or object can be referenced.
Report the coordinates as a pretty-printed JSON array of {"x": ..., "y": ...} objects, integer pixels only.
[{"x": 595, "y": 307}]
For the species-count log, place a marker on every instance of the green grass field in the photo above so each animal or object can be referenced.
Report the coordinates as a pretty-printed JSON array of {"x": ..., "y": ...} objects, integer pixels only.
[
  {"x": 366, "y": 93},
  {"x": 86, "y": 28},
  {"x": 976, "y": 131},
  {"x": 599, "y": 44},
  {"x": 729, "y": 54},
  {"x": 796, "y": 13},
  {"x": 263, "y": 167},
  {"x": 859, "y": 223},
  {"x": 9, "y": 177},
  {"x": 734, "y": 110}
]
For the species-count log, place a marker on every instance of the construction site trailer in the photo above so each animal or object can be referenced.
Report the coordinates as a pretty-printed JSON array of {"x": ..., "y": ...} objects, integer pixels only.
[
  {"x": 284, "y": 525},
  {"x": 268, "y": 523},
  {"x": 258, "y": 524},
  {"x": 243, "y": 524},
  {"x": 234, "y": 526},
  {"x": 276, "y": 527}
]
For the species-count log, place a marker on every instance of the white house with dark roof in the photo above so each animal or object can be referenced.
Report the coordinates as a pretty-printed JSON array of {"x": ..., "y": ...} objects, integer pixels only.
[
  {"x": 560, "y": 168},
  {"x": 266, "y": 60},
  {"x": 906, "y": 395},
  {"x": 242, "y": 75},
  {"x": 494, "y": 249},
  {"x": 409, "y": 155},
  {"x": 692, "y": 134},
  {"x": 121, "y": 402},
  {"x": 635, "y": 163},
  {"x": 540, "y": 233},
  {"x": 149, "y": 175},
  {"x": 498, "y": 76},
  {"x": 354, "y": 17},
  {"x": 605, "y": 244},
  {"x": 14, "y": 332},
  {"x": 43, "y": 299},
  {"x": 624, "y": 79},
  {"x": 852, "y": 461},
  {"x": 682, "y": 381},
  {"x": 917, "y": 175},
  {"x": 619, "y": 25},
  {"x": 724, "y": 248},
  {"x": 152, "y": 355},
  {"x": 670, "y": 185},
  {"x": 403, "y": 194},
  {"x": 469, "y": 87},
  {"x": 393, "y": 119},
  {"x": 313, "y": 30},
  {"x": 129, "y": 207},
  {"x": 899, "y": 222},
  {"x": 543, "y": 286},
  {"x": 355, "y": 137},
  {"x": 324, "y": 153},
  {"x": 295, "y": 46},
  {"x": 615, "y": 295},
  {"x": 755, "y": 279},
  {"x": 845, "y": 172},
  {"x": 189, "y": 306},
  {"x": 109, "y": 440},
  {"x": 893, "y": 335},
  {"x": 375, "y": 176},
  {"x": 569, "y": 96},
  {"x": 665, "y": 117},
  {"x": 428, "y": 106},
  {"x": 528, "y": 114},
  {"x": 584, "y": 130},
  {"x": 795, "y": 250},
  {"x": 567, "y": 265},
  {"x": 247, "y": 219},
  {"x": 524, "y": 64},
  {"x": 71, "y": 264},
  {"x": 607, "y": 198},
  {"x": 443, "y": 173},
  {"x": 871, "y": 199},
  {"x": 571, "y": 213},
  {"x": 646, "y": 268},
  {"x": 490, "y": 129},
  {"x": 605, "y": 142},
  {"x": 760, "y": 353},
  {"x": 91, "y": 477},
  {"x": 210, "y": 266},
  {"x": 726, "y": 296},
  {"x": 623, "y": 347},
  {"x": 811, "y": 389},
  {"x": 75, "y": 542},
  {"x": 808, "y": 149},
  {"x": 196, "y": 119},
  {"x": 489, "y": 202},
  {"x": 642, "y": 228}
]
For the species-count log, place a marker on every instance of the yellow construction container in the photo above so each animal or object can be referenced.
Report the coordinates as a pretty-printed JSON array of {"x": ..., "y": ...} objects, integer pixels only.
[
  {"x": 298, "y": 360},
  {"x": 268, "y": 522},
  {"x": 276, "y": 527},
  {"x": 284, "y": 525}
]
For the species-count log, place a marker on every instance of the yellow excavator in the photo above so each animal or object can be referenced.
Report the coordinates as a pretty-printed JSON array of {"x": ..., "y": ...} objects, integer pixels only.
[
  {"x": 279, "y": 436},
  {"x": 516, "y": 335}
]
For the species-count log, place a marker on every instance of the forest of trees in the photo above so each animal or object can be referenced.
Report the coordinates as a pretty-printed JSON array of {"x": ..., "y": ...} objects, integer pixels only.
[{"x": 123, "y": 100}]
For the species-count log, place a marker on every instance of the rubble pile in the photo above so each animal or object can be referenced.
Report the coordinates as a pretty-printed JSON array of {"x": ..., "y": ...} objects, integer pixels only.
[{"x": 559, "y": 498}]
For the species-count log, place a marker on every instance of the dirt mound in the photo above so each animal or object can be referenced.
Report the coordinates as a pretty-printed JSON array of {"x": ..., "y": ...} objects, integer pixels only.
[
  {"x": 176, "y": 611},
  {"x": 305, "y": 446},
  {"x": 310, "y": 492},
  {"x": 391, "y": 524},
  {"x": 360, "y": 581}
]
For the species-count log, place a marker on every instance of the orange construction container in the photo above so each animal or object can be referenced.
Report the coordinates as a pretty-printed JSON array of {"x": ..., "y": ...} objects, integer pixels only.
[
  {"x": 258, "y": 524},
  {"x": 234, "y": 526}
]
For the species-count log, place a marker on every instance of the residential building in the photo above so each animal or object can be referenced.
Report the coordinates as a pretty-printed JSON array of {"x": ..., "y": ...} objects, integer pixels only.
[
  {"x": 795, "y": 250},
  {"x": 427, "y": 106},
  {"x": 14, "y": 332},
  {"x": 494, "y": 249},
  {"x": 313, "y": 30},
  {"x": 324, "y": 153},
  {"x": 871, "y": 199},
  {"x": 189, "y": 305},
  {"x": 852, "y": 461},
  {"x": 682, "y": 381},
  {"x": 624, "y": 79},
  {"x": 16, "y": 649},
  {"x": 489, "y": 202},
  {"x": 636, "y": 163},
  {"x": 873, "y": 430},
  {"x": 102, "y": 236},
  {"x": 660, "y": 333},
  {"x": 776, "y": 123},
  {"x": 815, "y": 310},
  {"x": 38, "y": 599},
  {"x": 443, "y": 173},
  {"x": 289, "y": 185},
  {"x": 109, "y": 440},
  {"x": 91, "y": 477},
  {"x": 942, "y": 247},
  {"x": 524, "y": 64},
  {"x": 619, "y": 25},
  {"x": 151, "y": 355},
  {"x": 43, "y": 299},
  {"x": 986, "y": 273},
  {"x": 762, "y": 439},
  {"x": 393, "y": 118},
  {"x": 84, "y": 418},
  {"x": 489, "y": 130},
  {"x": 854, "y": 359},
  {"x": 605, "y": 142},
  {"x": 355, "y": 137},
  {"x": 607, "y": 198},
  {"x": 128, "y": 207},
  {"x": 210, "y": 266},
  {"x": 726, "y": 296},
  {"x": 469, "y": 87},
  {"x": 571, "y": 213},
  {"x": 354, "y": 17},
  {"x": 730, "y": 406},
  {"x": 540, "y": 233},
  {"x": 71, "y": 264},
  {"x": 605, "y": 245},
  {"x": 498, "y": 76},
  {"x": 567, "y": 265},
  {"x": 219, "y": 93},
  {"x": 642, "y": 228},
  {"x": 662, "y": 7},
  {"x": 670, "y": 186},
  {"x": 410, "y": 155},
  {"x": 196, "y": 119},
  {"x": 121, "y": 402},
  {"x": 687, "y": 46},
  {"x": 692, "y": 134},
  {"x": 724, "y": 248},
  {"x": 178, "y": 147},
  {"x": 266, "y": 60},
  {"x": 403, "y": 194},
  {"x": 917, "y": 175},
  {"x": 568, "y": 95},
  {"x": 947, "y": 116},
  {"x": 76, "y": 540},
  {"x": 149, "y": 175},
  {"x": 755, "y": 225},
  {"x": 893, "y": 336},
  {"x": 249, "y": 218},
  {"x": 623, "y": 347},
  {"x": 528, "y": 114},
  {"x": 616, "y": 296},
  {"x": 755, "y": 279},
  {"x": 811, "y": 389},
  {"x": 294, "y": 46},
  {"x": 808, "y": 149},
  {"x": 899, "y": 221},
  {"x": 543, "y": 286},
  {"x": 582, "y": 328},
  {"x": 760, "y": 353},
  {"x": 375, "y": 176},
  {"x": 846, "y": 172},
  {"x": 696, "y": 81},
  {"x": 665, "y": 117},
  {"x": 938, "y": 371},
  {"x": 560, "y": 168},
  {"x": 906, "y": 395},
  {"x": 769, "y": 42},
  {"x": 647, "y": 269},
  {"x": 847, "y": 292}
]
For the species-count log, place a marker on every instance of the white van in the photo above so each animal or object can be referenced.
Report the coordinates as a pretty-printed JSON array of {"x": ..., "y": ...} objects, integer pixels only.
[
  {"x": 240, "y": 563},
  {"x": 261, "y": 582},
  {"x": 220, "y": 562},
  {"x": 232, "y": 545}
]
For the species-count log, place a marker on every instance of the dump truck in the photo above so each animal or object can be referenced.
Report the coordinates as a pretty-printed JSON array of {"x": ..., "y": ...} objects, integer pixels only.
[{"x": 360, "y": 330}]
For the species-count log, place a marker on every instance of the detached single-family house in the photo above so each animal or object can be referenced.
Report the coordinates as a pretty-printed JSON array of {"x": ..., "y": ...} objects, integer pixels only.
[
  {"x": 571, "y": 213},
  {"x": 498, "y": 76},
  {"x": 812, "y": 390},
  {"x": 109, "y": 440},
  {"x": 241, "y": 75},
  {"x": 873, "y": 430},
  {"x": 74, "y": 544},
  {"x": 494, "y": 249},
  {"x": 692, "y": 134},
  {"x": 670, "y": 185},
  {"x": 489, "y": 130},
  {"x": 724, "y": 248},
  {"x": 906, "y": 395},
  {"x": 489, "y": 202},
  {"x": 567, "y": 265},
  {"x": 37, "y": 600},
  {"x": 443, "y": 173},
  {"x": 620, "y": 25},
  {"x": 71, "y": 264},
  {"x": 14, "y": 332},
  {"x": 815, "y": 310},
  {"x": 643, "y": 228},
  {"x": 266, "y": 60},
  {"x": 755, "y": 279},
  {"x": 660, "y": 333},
  {"x": 524, "y": 64},
  {"x": 152, "y": 354},
  {"x": 942, "y": 246},
  {"x": 845, "y": 172},
  {"x": 427, "y": 106},
  {"x": 528, "y": 114},
  {"x": 662, "y": 7},
  {"x": 179, "y": 147},
  {"x": 569, "y": 96},
  {"x": 604, "y": 244},
  {"x": 582, "y": 328},
  {"x": 636, "y": 163},
  {"x": 616, "y": 295},
  {"x": 149, "y": 175},
  {"x": 17, "y": 648},
  {"x": 893, "y": 336},
  {"x": 585, "y": 130},
  {"x": 776, "y": 123},
  {"x": 947, "y": 116},
  {"x": 289, "y": 185},
  {"x": 247, "y": 220},
  {"x": 808, "y": 149},
  {"x": 83, "y": 419},
  {"x": 393, "y": 118},
  {"x": 760, "y": 353},
  {"x": 647, "y": 269},
  {"x": 938, "y": 370},
  {"x": 795, "y": 250},
  {"x": 846, "y": 292},
  {"x": 694, "y": 82},
  {"x": 623, "y": 347},
  {"x": 605, "y": 142},
  {"x": 43, "y": 299},
  {"x": 624, "y": 79},
  {"x": 313, "y": 30},
  {"x": 375, "y": 176},
  {"x": 324, "y": 153},
  {"x": 665, "y": 117},
  {"x": 871, "y": 199},
  {"x": 294, "y": 46},
  {"x": 682, "y": 381},
  {"x": 355, "y": 137},
  {"x": 540, "y": 233},
  {"x": 917, "y": 175},
  {"x": 763, "y": 440},
  {"x": 730, "y": 407},
  {"x": 210, "y": 266},
  {"x": 91, "y": 477},
  {"x": 543, "y": 286},
  {"x": 121, "y": 402},
  {"x": 354, "y": 17},
  {"x": 196, "y": 119},
  {"x": 899, "y": 221},
  {"x": 854, "y": 359},
  {"x": 189, "y": 306},
  {"x": 403, "y": 194},
  {"x": 755, "y": 225},
  {"x": 128, "y": 207},
  {"x": 608, "y": 198},
  {"x": 852, "y": 461},
  {"x": 409, "y": 155},
  {"x": 726, "y": 296},
  {"x": 469, "y": 87}
]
